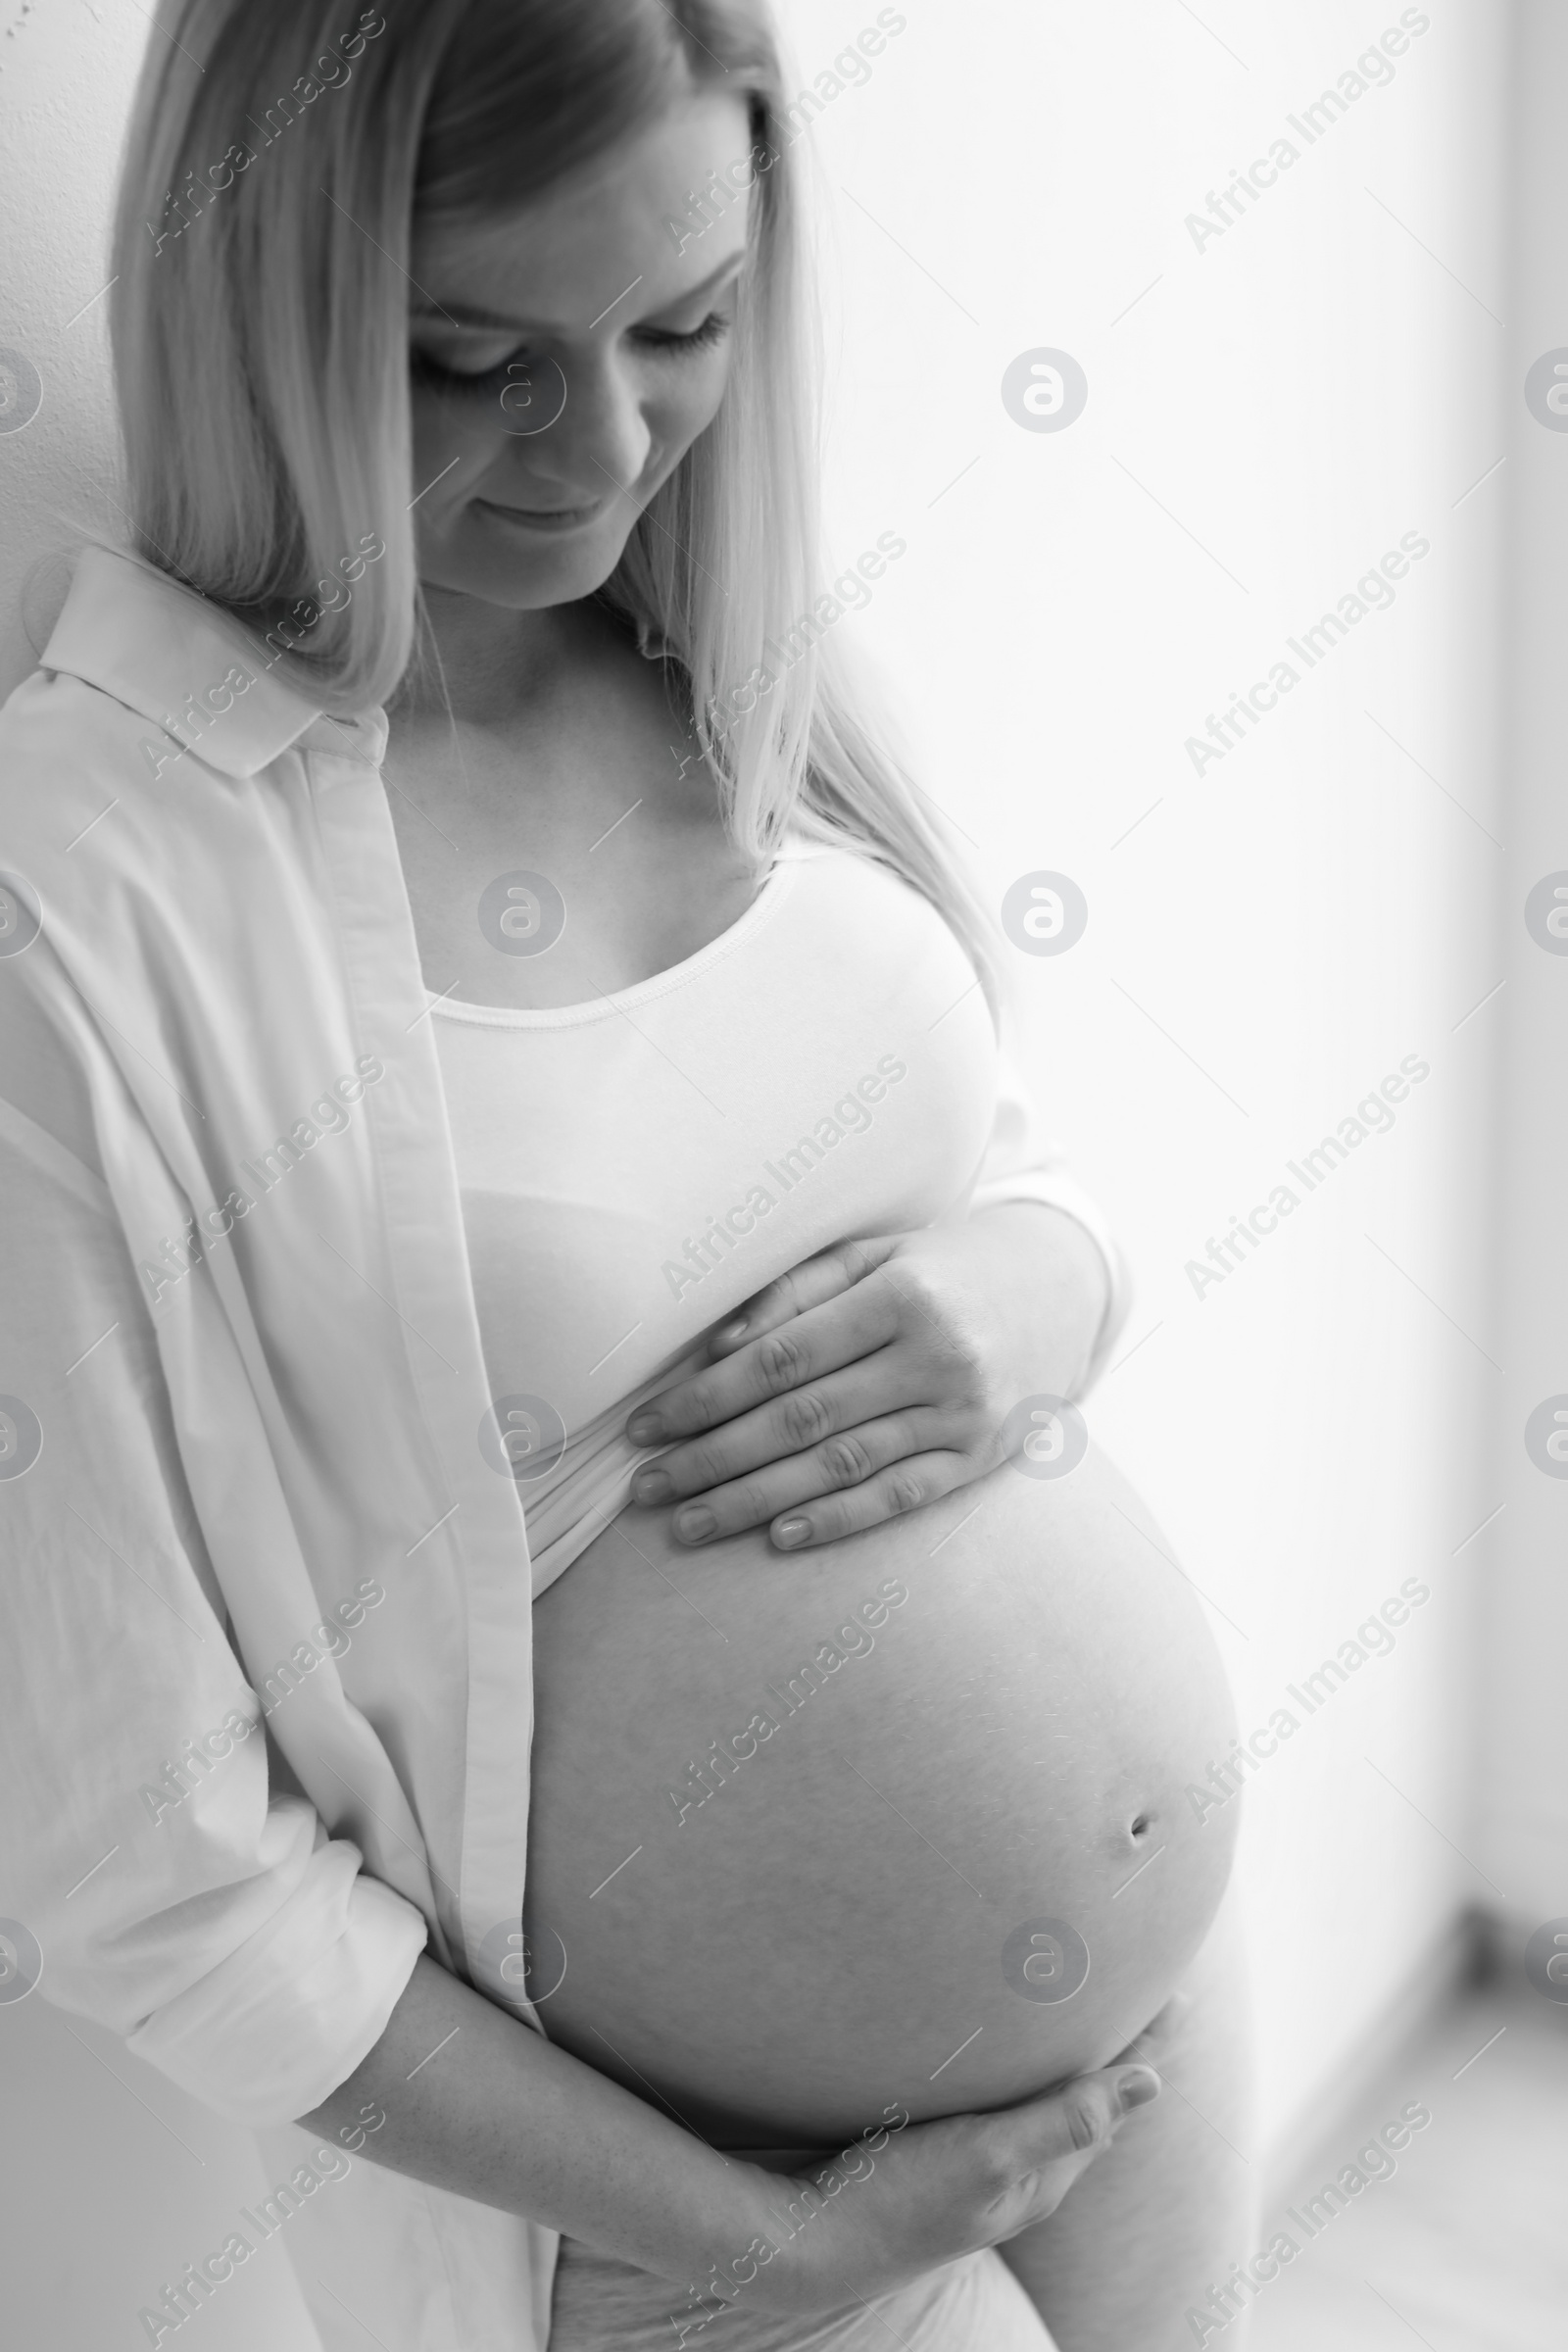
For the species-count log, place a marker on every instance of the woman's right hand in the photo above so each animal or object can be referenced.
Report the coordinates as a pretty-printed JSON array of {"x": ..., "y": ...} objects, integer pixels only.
[
  {"x": 512, "y": 2121},
  {"x": 875, "y": 2218}
]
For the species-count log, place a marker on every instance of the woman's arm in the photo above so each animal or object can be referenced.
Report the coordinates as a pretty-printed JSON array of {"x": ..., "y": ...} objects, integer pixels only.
[
  {"x": 175, "y": 1896},
  {"x": 479, "y": 2103},
  {"x": 1047, "y": 1285}
]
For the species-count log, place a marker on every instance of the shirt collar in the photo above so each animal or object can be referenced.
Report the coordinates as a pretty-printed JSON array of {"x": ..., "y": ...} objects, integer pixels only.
[{"x": 167, "y": 654}]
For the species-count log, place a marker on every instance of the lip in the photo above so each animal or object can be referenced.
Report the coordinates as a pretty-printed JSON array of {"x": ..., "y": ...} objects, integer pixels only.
[{"x": 546, "y": 519}]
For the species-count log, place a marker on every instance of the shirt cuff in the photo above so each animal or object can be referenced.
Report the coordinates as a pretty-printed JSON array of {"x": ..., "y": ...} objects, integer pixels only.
[{"x": 273, "y": 2031}]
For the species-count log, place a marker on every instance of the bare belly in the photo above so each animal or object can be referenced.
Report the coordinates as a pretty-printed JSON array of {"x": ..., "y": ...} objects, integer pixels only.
[{"x": 965, "y": 1831}]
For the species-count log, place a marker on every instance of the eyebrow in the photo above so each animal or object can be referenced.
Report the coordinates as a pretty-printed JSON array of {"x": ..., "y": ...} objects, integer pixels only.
[{"x": 494, "y": 323}]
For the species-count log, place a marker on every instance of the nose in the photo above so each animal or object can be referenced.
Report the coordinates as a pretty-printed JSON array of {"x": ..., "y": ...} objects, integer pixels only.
[{"x": 600, "y": 439}]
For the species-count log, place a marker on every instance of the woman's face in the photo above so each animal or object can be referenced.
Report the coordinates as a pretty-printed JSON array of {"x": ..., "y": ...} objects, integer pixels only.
[{"x": 565, "y": 357}]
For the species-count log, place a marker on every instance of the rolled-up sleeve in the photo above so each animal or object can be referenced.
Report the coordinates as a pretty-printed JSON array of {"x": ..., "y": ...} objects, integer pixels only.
[
  {"x": 1022, "y": 1163},
  {"x": 161, "y": 1874}
]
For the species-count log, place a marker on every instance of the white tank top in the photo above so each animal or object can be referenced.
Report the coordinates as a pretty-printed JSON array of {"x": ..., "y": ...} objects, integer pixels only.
[{"x": 633, "y": 1168}]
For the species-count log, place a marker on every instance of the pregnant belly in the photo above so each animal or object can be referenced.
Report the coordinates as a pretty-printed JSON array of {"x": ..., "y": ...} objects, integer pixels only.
[{"x": 900, "y": 1822}]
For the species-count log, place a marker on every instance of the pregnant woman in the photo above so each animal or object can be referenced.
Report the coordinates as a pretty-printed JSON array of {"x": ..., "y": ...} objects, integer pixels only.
[{"x": 565, "y": 1634}]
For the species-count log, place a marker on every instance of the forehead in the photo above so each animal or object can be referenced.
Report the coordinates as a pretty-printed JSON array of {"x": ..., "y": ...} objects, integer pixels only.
[{"x": 580, "y": 245}]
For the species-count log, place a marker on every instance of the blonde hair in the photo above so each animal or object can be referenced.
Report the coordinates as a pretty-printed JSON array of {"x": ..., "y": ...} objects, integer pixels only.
[{"x": 259, "y": 325}]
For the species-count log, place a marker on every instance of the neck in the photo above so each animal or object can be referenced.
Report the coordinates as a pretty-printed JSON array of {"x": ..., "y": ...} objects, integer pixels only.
[{"x": 491, "y": 664}]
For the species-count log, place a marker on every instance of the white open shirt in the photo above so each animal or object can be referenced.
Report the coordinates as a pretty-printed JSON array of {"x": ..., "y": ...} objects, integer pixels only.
[{"x": 228, "y": 1452}]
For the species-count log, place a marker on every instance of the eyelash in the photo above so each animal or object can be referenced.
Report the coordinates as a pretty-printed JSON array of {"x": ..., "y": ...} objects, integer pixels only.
[{"x": 715, "y": 327}]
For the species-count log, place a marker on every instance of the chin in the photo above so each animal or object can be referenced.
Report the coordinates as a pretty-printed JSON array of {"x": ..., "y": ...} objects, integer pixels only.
[{"x": 533, "y": 576}]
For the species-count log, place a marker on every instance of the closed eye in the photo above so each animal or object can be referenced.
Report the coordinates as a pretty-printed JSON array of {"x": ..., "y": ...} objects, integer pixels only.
[
  {"x": 427, "y": 369},
  {"x": 715, "y": 327}
]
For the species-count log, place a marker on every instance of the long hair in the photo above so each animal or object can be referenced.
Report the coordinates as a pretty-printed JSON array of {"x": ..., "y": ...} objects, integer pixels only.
[{"x": 279, "y": 156}]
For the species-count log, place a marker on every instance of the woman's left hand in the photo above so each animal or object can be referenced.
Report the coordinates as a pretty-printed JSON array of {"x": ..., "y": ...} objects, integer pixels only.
[{"x": 874, "y": 1378}]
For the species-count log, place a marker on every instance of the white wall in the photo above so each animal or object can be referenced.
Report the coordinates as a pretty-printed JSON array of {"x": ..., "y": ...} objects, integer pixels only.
[
  {"x": 64, "y": 83},
  {"x": 1525, "y": 1774},
  {"x": 1271, "y": 416},
  {"x": 1317, "y": 905}
]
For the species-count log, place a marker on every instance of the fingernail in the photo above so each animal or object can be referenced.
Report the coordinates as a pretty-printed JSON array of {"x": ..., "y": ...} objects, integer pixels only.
[
  {"x": 644, "y": 1429},
  {"x": 695, "y": 1526},
  {"x": 790, "y": 1531},
  {"x": 652, "y": 1486},
  {"x": 1137, "y": 2087},
  {"x": 735, "y": 1330}
]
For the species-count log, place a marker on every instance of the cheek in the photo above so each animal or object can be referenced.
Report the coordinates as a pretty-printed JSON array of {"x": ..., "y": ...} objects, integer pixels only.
[
  {"x": 677, "y": 413},
  {"x": 455, "y": 445},
  {"x": 450, "y": 426}
]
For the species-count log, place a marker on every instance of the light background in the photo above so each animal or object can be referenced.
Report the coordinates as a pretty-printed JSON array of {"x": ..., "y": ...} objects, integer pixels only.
[{"x": 1265, "y": 941}]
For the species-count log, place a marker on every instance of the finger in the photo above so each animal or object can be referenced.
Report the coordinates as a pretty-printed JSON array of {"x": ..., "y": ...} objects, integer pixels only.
[
  {"x": 1080, "y": 2119},
  {"x": 778, "y": 1487},
  {"x": 810, "y": 1284},
  {"x": 1061, "y": 2135},
  {"x": 792, "y": 1425},
  {"x": 822, "y": 1339},
  {"x": 905, "y": 1486},
  {"x": 1153, "y": 2044}
]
